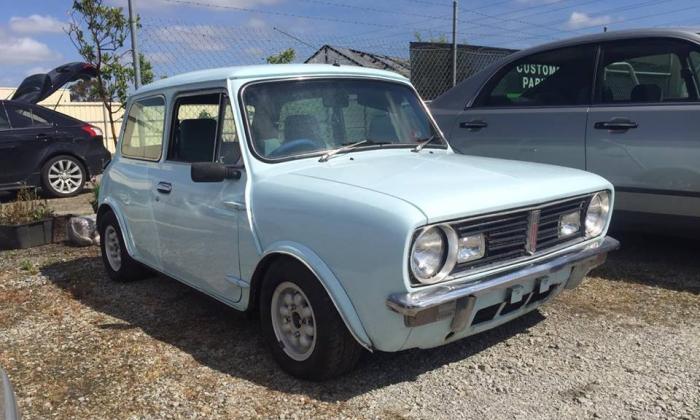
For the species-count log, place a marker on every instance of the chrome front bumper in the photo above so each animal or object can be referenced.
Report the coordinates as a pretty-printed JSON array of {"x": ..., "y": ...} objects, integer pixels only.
[{"x": 459, "y": 301}]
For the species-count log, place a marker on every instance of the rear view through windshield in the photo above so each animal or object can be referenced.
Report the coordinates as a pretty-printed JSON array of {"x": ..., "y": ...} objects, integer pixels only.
[{"x": 303, "y": 117}]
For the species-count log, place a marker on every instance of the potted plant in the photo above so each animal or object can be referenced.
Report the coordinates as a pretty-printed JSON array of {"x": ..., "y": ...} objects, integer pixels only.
[{"x": 25, "y": 222}]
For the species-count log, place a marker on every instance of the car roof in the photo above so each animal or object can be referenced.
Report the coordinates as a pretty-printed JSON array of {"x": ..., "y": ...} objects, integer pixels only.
[
  {"x": 687, "y": 33},
  {"x": 267, "y": 71}
]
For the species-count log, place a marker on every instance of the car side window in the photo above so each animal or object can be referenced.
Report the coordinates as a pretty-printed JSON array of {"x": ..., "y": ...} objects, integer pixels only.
[
  {"x": 562, "y": 77},
  {"x": 229, "y": 151},
  {"x": 24, "y": 117},
  {"x": 195, "y": 128},
  {"x": 143, "y": 130},
  {"x": 643, "y": 71},
  {"x": 4, "y": 122}
]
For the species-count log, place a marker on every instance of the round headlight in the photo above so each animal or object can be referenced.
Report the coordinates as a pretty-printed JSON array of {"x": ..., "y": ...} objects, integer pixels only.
[
  {"x": 597, "y": 214},
  {"x": 432, "y": 254}
]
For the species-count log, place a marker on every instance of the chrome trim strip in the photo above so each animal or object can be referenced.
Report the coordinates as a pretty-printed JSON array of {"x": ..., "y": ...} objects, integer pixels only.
[{"x": 590, "y": 256}]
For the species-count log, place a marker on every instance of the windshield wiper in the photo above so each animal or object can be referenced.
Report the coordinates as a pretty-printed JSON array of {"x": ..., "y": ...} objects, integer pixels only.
[
  {"x": 349, "y": 146},
  {"x": 423, "y": 143}
]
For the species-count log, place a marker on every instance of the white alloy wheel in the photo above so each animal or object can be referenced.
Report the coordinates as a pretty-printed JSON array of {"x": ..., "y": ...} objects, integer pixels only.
[
  {"x": 65, "y": 176},
  {"x": 113, "y": 249},
  {"x": 293, "y": 321}
]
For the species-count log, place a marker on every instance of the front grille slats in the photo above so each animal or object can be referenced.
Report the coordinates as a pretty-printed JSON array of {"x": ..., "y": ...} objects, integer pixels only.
[{"x": 506, "y": 234}]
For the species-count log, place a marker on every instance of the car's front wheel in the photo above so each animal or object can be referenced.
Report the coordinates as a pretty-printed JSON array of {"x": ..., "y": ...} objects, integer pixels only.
[
  {"x": 305, "y": 333},
  {"x": 63, "y": 176},
  {"x": 117, "y": 262}
]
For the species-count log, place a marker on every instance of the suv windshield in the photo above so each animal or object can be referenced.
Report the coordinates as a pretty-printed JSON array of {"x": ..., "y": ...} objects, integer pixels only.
[{"x": 309, "y": 117}]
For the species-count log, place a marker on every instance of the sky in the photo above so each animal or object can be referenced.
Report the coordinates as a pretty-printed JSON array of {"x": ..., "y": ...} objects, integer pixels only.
[{"x": 181, "y": 35}]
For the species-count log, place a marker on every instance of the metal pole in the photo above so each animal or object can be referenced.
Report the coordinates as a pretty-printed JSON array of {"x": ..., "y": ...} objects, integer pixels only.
[
  {"x": 454, "y": 42},
  {"x": 134, "y": 48}
]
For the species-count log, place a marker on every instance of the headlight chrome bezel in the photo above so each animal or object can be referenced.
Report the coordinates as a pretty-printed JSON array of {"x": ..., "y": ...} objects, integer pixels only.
[
  {"x": 449, "y": 259},
  {"x": 595, "y": 228}
]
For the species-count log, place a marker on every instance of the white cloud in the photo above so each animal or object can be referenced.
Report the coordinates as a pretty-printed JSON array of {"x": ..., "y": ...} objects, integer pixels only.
[
  {"x": 256, "y": 23},
  {"x": 35, "y": 24},
  {"x": 37, "y": 69},
  {"x": 24, "y": 50},
  {"x": 194, "y": 37},
  {"x": 205, "y": 4},
  {"x": 579, "y": 20}
]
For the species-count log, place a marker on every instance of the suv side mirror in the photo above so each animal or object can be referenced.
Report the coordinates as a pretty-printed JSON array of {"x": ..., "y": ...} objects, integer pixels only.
[{"x": 213, "y": 172}]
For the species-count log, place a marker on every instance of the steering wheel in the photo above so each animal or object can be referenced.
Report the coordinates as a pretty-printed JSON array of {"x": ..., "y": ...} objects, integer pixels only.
[{"x": 296, "y": 146}]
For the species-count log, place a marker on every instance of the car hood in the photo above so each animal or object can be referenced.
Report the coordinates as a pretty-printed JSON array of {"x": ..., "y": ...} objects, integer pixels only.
[
  {"x": 445, "y": 186},
  {"x": 37, "y": 87}
]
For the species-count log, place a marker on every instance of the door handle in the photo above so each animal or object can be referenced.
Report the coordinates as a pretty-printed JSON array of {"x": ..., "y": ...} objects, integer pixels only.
[
  {"x": 42, "y": 137},
  {"x": 620, "y": 124},
  {"x": 164, "y": 187},
  {"x": 473, "y": 125}
]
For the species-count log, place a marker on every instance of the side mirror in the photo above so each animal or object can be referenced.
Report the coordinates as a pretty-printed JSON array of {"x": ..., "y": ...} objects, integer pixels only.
[{"x": 213, "y": 172}]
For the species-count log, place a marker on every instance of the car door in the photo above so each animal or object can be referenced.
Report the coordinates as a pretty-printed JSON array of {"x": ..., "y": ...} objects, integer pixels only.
[
  {"x": 197, "y": 222},
  {"x": 141, "y": 149},
  {"x": 24, "y": 144},
  {"x": 643, "y": 129},
  {"x": 533, "y": 109},
  {"x": 6, "y": 144}
]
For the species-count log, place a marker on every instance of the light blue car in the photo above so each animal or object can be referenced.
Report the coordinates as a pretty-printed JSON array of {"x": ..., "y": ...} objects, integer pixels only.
[{"x": 326, "y": 199}]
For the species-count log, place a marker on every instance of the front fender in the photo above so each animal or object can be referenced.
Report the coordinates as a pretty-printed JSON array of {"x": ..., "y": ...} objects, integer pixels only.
[
  {"x": 330, "y": 283},
  {"x": 117, "y": 210}
]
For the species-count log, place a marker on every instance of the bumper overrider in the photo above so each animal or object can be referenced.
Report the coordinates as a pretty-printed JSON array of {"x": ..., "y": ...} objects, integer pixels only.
[{"x": 502, "y": 296}]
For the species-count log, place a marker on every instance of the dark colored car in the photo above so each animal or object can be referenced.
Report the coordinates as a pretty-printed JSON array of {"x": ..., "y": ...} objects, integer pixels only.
[{"x": 43, "y": 148}]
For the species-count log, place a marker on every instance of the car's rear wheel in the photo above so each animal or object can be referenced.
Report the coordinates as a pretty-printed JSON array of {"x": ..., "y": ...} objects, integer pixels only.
[
  {"x": 117, "y": 262},
  {"x": 304, "y": 331},
  {"x": 63, "y": 176}
]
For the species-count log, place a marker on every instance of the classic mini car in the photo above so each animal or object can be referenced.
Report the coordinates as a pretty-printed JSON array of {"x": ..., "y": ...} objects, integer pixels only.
[
  {"x": 325, "y": 199},
  {"x": 621, "y": 104}
]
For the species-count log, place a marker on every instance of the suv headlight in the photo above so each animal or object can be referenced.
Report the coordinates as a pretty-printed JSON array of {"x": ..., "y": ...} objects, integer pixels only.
[
  {"x": 597, "y": 214},
  {"x": 434, "y": 254}
]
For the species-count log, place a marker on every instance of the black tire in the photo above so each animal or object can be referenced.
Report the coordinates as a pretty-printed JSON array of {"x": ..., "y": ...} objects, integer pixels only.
[
  {"x": 129, "y": 269},
  {"x": 54, "y": 191},
  {"x": 335, "y": 352}
]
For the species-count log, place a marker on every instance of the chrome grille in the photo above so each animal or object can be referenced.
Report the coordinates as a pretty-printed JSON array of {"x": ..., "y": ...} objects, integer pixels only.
[{"x": 506, "y": 235}]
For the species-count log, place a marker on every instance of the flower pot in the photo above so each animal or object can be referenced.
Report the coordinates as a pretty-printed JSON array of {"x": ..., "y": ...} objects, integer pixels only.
[{"x": 26, "y": 235}]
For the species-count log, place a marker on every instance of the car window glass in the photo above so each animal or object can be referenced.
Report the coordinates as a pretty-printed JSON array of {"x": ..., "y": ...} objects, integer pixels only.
[
  {"x": 4, "y": 122},
  {"x": 143, "y": 130},
  {"x": 229, "y": 148},
  {"x": 644, "y": 71},
  {"x": 559, "y": 77},
  {"x": 294, "y": 118},
  {"x": 195, "y": 128},
  {"x": 20, "y": 117},
  {"x": 695, "y": 66}
]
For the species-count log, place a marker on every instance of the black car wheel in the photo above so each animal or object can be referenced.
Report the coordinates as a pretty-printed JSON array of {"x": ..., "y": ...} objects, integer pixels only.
[
  {"x": 63, "y": 176},
  {"x": 304, "y": 331}
]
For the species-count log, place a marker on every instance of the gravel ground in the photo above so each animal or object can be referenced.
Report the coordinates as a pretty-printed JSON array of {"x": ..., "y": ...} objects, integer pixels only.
[{"x": 626, "y": 344}]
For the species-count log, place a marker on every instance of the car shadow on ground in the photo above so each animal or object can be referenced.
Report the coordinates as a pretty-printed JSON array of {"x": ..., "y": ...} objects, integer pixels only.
[
  {"x": 228, "y": 341},
  {"x": 654, "y": 260}
]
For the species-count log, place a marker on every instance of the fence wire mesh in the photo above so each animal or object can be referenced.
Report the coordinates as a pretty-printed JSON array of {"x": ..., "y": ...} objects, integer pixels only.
[{"x": 177, "y": 47}]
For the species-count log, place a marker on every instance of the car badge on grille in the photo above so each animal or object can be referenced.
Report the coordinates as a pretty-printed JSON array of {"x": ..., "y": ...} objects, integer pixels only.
[{"x": 533, "y": 228}]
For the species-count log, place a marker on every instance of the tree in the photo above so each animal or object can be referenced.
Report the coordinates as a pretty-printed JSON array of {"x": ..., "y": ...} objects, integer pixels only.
[
  {"x": 99, "y": 33},
  {"x": 286, "y": 56},
  {"x": 440, "y": 39}
]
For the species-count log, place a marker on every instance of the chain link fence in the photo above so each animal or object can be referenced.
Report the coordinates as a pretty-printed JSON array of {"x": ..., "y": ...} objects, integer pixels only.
[{"x": 177, "y": 47}]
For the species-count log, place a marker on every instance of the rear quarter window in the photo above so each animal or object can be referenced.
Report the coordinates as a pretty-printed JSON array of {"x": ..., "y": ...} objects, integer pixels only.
[{"x": 143, "y": 130}]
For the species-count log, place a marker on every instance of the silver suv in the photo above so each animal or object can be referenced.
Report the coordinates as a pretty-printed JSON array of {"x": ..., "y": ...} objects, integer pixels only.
[{"x": 624, "y": 105}]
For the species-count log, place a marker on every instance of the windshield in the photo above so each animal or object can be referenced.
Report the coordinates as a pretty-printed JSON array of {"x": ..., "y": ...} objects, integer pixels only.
[{"x": 308, "y": 117}]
